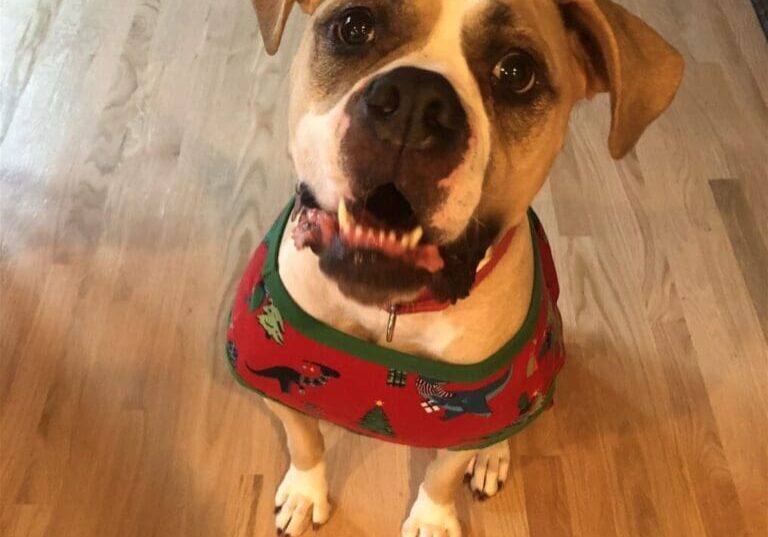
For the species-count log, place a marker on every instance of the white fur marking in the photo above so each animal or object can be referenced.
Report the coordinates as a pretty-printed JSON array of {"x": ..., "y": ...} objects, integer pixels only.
[
  {"x": 316, "y": 154},
  {"x": 300, "y": 493}
]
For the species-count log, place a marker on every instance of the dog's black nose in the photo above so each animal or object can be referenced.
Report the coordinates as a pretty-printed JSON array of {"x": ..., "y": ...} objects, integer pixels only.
[{"x": 415, "y": 109}]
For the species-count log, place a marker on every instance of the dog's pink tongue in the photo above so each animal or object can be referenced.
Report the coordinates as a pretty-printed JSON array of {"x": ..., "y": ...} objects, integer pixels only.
[
  {"x": 428, "y": 257},
  {"x": 315, "y": 229}
]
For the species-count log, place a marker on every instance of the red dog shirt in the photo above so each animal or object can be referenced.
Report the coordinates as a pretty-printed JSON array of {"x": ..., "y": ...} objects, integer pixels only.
[{"x": 278, "y": 350}]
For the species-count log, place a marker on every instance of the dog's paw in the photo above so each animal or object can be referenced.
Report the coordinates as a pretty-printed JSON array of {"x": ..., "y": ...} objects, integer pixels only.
[
  {"x": 488, "y": 470},
  {"x": 429, "y": 519},
  {"x": 301, "y": 500}
]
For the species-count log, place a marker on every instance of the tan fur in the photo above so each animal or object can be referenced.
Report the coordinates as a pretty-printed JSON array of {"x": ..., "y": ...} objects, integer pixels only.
[
  {"x": 602, "y": 48},
  {"x": 445, "y": 474},
  {"x": 305, "y": 443}
]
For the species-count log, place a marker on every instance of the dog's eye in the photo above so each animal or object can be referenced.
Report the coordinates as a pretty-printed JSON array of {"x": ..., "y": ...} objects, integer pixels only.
[
  {"x": 356, "y": 27},
  {"x": 516, "y": 72}
]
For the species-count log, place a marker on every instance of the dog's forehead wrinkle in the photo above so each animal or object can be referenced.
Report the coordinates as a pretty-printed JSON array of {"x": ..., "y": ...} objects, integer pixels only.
[
  {"x": 498, "y": 13},
  {"x": 499, "y": 23}
]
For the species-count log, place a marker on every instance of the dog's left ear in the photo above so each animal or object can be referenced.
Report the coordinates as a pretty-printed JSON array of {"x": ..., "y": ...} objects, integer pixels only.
[
  {"x": 625, "y": 56},
  {"x": 273, "y": 14}
]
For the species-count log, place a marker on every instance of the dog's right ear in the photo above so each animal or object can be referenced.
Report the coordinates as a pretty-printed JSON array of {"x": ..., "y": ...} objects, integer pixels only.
[
  {"x": 624, "y": 56},
  {"x": 273, "y": 14}
]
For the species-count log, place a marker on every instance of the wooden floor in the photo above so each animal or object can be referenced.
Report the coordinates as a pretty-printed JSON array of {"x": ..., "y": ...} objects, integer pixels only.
[{"x": 143, "y": 155}]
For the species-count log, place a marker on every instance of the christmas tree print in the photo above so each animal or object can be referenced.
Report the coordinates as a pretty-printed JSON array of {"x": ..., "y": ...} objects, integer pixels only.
[
  {"x": 272, "y": 322},
  {"x": 376, "y": 420}
]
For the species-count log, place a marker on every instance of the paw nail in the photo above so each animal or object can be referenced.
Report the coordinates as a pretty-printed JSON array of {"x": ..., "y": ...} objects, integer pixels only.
[
  {"x": 315, "y": 526},
  {"x": 501, "y": 485},
  {"x": 467, "y": 477},
  {"x": 278, "y": 508},
  {"x": 279, "y": 531}
]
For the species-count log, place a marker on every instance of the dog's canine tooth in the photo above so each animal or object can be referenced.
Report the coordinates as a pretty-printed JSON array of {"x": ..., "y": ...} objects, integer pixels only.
[
  {"x": 415, "y": 236},
  {"x": 344, "y": 218}
]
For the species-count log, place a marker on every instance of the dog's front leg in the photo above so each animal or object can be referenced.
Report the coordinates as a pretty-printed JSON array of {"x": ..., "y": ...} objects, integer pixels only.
[
  {"x": 434, "y": 512},
  {"x": 302, "y": 497}
]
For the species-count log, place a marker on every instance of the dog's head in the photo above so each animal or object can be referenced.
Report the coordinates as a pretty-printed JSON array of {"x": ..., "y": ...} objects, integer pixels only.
[{"x": 422, "y": 129}]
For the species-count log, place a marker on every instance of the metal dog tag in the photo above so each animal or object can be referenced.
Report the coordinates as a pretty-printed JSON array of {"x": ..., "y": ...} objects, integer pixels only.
[{"x": 391, "y": 322}]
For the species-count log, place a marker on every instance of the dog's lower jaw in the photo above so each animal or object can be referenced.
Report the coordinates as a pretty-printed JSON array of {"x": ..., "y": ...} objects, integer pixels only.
[
  {"x": 428, "y": 517},
  {"x": 371, "y": 285},
  {"x": 378, "y": 287},
  {"x": 462, "y": 258}
]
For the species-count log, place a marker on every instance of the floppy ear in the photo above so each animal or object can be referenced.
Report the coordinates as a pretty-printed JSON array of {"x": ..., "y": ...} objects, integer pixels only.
[
  {"x": 628, "y": 58},
  {"x": 273, "y": 14}
]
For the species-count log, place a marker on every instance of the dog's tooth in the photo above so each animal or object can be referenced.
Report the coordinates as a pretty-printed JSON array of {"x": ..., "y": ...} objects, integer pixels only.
[
  {"x": 382, "y": 236},
  {"x": 405, "y": 242},
  {"x": 343, "y": 216},
  {"x": 371, "y": 235},
  {"x": 392, "y": 237},
  {"x": 358, "y": 232},
  {"x": 415, "y": 237}
]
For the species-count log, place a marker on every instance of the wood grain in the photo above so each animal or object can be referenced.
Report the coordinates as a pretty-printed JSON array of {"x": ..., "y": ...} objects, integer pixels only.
[
  {"x": 143, "y": 154},
  {"x": 749, "y": 248}
]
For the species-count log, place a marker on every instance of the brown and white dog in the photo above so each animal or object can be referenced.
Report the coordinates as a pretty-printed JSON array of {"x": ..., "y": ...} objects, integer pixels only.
[{"x": 442, "y": 118}]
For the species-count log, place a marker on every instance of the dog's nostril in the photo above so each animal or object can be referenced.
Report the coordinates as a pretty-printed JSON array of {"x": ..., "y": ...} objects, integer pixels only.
[
  {"x": 383, "y": 98},
  {"x": 438, "y": 115}
]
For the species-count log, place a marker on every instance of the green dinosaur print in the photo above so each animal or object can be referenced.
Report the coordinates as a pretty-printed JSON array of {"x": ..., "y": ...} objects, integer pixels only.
[{"x": 272, "y": 322}]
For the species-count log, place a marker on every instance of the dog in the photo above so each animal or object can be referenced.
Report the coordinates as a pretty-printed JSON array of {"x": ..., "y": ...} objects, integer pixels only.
[{"x": 421, "y": 130}]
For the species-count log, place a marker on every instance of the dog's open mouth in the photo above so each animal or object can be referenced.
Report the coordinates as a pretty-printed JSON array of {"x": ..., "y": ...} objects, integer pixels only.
[
  {"x": 377, "y": 252},
  {"x": 381, "y": 226}
]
